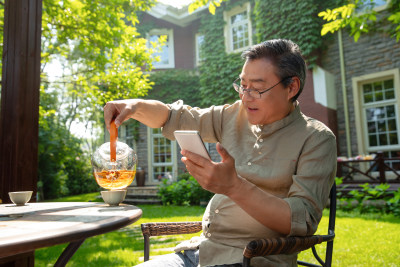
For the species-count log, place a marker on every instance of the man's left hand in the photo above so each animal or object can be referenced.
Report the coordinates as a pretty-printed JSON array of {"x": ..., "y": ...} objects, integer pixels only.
[{"x": 217, "y": 177}]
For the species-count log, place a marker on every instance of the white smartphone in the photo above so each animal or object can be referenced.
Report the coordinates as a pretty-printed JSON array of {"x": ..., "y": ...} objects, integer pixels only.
[{"x": 191, "y": 141}]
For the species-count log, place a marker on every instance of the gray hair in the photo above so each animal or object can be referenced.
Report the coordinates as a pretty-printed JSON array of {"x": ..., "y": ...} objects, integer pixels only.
[{"x": 286, "y": 57}]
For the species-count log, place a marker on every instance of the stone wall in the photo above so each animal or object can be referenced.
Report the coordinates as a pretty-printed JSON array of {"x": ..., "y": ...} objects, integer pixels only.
[{"x": 372, "y": 53}]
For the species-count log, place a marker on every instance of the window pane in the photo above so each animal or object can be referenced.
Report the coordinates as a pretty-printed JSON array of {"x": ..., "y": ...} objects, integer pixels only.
[
  {"x": 383, "y": 141},
  {"x": 378, "y": 86},
  {"x": 392, "y": 125},
  {"x": 239, "y": 17},
  {"x": 373, "y": 141},
  {"x": 389, "y": 94},
  {"x": 367, "y": 88},
  {"x": 388, "y": 84},
  {"x": 368, "y": 98},
  {"x": 163, "y": 54},
  {"x": 200, "y": 42},
  {"x": 394, "y": 140},
  {"x": 390, "y": 111},
  {"x": 378, "y": 96},
  {"x": 381, "y": 126},
  {"x": 371, "y": 127}
]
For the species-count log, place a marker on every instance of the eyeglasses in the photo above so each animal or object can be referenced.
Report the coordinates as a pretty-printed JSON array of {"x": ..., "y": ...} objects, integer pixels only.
[{"x": 253, "y": 92}]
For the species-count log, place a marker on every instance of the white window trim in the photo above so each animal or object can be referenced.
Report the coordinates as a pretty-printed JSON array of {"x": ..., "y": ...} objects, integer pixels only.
[
  {"x": 227, "y": 28},
  {"x": 382, "y": 7},
  {"x": 197, "y": 48},
  {"x": 362, "y": 140},
  {"x": 377, "y": 8},
  {"x": 150, "y": 154},
  {"x": 171, "y": 53}
]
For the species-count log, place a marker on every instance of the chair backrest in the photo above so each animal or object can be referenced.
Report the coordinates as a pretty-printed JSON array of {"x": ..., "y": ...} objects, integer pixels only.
[{"x": 330, "y": 235}]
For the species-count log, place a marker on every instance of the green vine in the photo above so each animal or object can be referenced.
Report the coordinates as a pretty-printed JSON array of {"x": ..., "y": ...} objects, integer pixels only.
[
  {"x": 288, "y": 19},
  {"x": 172, "y": 85},
  {"x": 219, "y": 69},
  {"x": 295, "y": 20}
]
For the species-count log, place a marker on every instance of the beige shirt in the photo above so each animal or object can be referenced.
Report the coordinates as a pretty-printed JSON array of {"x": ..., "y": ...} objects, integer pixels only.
[{"x": 293, "y": 158}]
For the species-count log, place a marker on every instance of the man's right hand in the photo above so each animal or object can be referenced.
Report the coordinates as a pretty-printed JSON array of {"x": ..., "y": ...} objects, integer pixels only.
[
  {"x": 119, "y": 111},
  {"x": 152, "y": 113}
]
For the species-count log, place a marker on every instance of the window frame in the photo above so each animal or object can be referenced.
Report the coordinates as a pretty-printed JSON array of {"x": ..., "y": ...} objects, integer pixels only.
[
  {"x": 199, "y": 59},
  {"x": 228, "y": 27},
  {"x": 359, "y": 108},
  {"x": 170, "y": 43},
  {"x": 151, "y": 164}
]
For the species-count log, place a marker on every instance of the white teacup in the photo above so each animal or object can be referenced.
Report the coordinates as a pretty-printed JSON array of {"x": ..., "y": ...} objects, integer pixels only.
[
  {"x": 19, "y": 198},
  {"x": 113, "y": 197}
]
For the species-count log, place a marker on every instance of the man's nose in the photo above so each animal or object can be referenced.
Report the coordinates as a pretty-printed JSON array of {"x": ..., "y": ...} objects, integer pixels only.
[{"x": 246, "y": 96}]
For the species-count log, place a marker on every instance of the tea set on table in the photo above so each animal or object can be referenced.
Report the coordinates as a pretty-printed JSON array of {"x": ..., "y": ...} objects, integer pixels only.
[{"x": 114, "y": 168}]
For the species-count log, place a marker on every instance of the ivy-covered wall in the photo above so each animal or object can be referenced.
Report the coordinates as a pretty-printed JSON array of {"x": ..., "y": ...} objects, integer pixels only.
[
  {"x": 295, "y": 20},
  {"x": 172, "y": 85}
]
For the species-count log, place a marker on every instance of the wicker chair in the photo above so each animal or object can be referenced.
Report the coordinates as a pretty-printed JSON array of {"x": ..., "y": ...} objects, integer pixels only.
[{"x": 260, "y": 247}]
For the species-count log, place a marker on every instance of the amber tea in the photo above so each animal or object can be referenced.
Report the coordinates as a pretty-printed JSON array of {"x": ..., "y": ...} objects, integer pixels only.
[{"x": 114, "y": 179}]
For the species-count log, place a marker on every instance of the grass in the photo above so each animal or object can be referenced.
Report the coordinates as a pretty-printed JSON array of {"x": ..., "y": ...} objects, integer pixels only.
[{"x": 361, "y": 240}]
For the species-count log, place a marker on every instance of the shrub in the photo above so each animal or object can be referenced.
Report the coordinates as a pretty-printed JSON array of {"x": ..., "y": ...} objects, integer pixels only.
[
  {"x": 186, "y": 191},
  {"x": 370, "y": 199}
]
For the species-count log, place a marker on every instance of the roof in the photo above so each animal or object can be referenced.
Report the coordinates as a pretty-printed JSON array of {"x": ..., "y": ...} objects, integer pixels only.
[{"x": 177, "y": 16}]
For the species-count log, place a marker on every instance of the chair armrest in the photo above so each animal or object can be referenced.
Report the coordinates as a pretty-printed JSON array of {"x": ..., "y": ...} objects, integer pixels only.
[
  {"x": 283, "y": 245},
  {"x": 170, "y": 228},
  {"x": 166, "y": 228}
]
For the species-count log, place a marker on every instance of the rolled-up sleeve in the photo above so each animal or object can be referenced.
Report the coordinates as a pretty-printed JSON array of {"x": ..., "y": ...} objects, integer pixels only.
[
  {"x": 183, "y": 117},
  {"x": 312, "y": 182}
]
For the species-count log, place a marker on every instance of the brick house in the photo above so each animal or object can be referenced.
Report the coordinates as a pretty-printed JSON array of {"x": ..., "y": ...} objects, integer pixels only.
[{"x": 365, "y": 120}]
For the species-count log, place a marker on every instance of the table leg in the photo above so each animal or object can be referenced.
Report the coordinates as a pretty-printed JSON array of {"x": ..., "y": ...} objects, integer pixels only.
[{"x": 68, "y": 252}]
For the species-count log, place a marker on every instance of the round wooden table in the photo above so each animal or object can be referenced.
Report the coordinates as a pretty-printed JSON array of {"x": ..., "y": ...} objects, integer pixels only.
[{"x": 37, "y": 225}]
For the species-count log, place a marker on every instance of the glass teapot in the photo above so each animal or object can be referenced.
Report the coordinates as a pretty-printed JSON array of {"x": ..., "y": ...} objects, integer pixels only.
[{"x": 114, "y": 163}]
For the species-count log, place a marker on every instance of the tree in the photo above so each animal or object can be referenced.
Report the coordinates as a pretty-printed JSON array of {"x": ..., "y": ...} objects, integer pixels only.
[
  {"x": 102, "y": 54},
  {"x": 103, "y": 58},
  {"x": 360, "y": 17},
  {"x": 64, "y": 167}
]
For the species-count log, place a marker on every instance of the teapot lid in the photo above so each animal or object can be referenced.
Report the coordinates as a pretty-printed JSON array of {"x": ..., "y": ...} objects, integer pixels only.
[{"x": 123, "y": 150}]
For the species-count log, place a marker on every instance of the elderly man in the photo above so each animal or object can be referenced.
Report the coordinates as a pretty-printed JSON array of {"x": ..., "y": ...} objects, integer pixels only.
[{"x": 277, "y": 165}]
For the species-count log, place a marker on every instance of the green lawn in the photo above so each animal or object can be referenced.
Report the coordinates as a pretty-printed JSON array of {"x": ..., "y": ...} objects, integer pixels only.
[{"x": 361, "y": 240}]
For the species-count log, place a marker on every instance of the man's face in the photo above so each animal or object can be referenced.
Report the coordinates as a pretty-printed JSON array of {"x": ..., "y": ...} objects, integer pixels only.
[{"x": 259, "y": 74}]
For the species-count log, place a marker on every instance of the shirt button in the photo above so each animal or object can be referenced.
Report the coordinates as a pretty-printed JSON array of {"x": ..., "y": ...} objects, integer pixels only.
[
  {"x": 208, "y": 234},
  {"x": 249, "y": 163},
  {"x": 216, "y": 211}
]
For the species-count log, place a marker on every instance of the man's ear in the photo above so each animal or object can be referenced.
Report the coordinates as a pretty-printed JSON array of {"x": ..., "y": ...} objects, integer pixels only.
[{"x": 294, "y": 87}]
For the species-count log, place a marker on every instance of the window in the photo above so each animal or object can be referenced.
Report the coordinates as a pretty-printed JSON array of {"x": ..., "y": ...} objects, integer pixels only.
[
  {"x": 166, "y": 55},
  {"x": 163, "y": 157},
  {"x": 377, "y": 112},
  {"x": 238, "y": 28},
  {"x": 199, "y": 42},
  {"x": 376, "y": 5}
]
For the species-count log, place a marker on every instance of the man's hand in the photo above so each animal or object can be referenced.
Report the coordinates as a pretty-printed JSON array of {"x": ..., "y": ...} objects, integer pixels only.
[
  {"x": 152, "y": 113},
  {"x": 217, "y": 177},
  {"x": 120, "y": 111}
]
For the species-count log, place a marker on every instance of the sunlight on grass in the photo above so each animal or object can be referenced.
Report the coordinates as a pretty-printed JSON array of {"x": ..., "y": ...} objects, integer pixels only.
[
  {"x": 367, "y": 240},
  {"x": 361, "y": 240}
]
